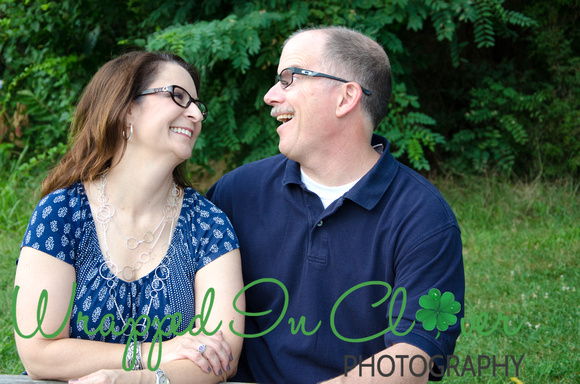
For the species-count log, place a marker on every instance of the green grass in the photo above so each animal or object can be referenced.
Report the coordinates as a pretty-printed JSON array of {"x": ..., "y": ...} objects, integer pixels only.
[
  {"x": 521, "y": 252},
  {"x": 522, "y": 259},
  {"x": 19, "y": 193}
]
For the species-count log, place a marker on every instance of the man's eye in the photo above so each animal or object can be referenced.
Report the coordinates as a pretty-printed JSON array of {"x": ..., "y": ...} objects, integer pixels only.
[{"x": 286, "y": 80}]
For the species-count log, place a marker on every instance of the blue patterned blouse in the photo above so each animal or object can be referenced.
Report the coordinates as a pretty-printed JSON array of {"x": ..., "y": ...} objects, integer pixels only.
[{"x": 62, "y": 226}]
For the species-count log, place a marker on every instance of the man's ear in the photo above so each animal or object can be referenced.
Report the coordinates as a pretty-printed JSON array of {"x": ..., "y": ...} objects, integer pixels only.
[{"x": 349, "y": 98}]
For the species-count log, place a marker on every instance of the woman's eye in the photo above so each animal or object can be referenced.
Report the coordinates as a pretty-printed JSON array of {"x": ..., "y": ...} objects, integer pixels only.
[{"x": 179, "y": 95}]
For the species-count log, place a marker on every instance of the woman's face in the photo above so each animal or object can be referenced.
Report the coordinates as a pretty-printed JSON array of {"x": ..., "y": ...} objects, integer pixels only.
[{"x": 161, "y": 128}]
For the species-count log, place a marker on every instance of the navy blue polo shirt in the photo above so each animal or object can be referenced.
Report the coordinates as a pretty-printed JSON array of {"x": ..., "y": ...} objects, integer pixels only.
[{"x": 321, "y": 282}]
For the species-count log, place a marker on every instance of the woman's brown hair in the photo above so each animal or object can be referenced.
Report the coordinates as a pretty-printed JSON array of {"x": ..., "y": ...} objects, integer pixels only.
[{"x": 99, "y": 128}]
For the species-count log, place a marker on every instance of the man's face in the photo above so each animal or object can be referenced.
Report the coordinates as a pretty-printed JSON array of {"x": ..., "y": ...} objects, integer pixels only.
[{"x": 305, "y": 107}]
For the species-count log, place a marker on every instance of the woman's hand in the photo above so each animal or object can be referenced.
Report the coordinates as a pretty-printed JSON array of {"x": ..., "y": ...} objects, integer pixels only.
[{"x": 215, "y": 357}]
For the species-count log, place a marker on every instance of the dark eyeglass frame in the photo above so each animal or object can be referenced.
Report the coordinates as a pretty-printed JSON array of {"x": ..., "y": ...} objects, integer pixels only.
[
  {"x": 306, "y": 72},
  {"x": 171, "y": 90}
]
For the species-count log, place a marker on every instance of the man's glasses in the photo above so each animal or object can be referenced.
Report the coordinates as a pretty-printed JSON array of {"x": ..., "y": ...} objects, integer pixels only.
[
  {"x": 286, "y": 77},
  {"x": 180, "y": 96}
]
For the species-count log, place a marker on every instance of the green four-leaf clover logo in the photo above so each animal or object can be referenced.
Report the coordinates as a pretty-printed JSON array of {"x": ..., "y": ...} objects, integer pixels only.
[{"x": 438, "y": 310}]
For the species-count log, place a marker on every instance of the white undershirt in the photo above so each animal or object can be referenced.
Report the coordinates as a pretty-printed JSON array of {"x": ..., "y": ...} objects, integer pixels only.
[
  {"x": 326, "y": 194},
  {"x": 330, "y": 194}
]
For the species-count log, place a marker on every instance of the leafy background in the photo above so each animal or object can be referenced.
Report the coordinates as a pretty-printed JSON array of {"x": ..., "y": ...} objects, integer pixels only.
[{"x": 480, "y": 86}]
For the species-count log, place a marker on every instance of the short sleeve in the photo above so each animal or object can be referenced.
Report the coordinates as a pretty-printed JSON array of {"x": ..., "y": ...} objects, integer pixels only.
[
  {"x": 212, "y": 232},
  {"x": 54, "y": 226},
  {"x": 441, "y": 267}
]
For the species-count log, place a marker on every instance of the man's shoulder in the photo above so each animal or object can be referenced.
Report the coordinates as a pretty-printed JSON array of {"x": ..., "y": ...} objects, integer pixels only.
[
  {"x": 259, "y": 169},
  {"x": 248, "y": 179},
  {"x": 262, "y": 164},
  {"x": 418, "y": 182},
  {"x": 418, "y": 195}
]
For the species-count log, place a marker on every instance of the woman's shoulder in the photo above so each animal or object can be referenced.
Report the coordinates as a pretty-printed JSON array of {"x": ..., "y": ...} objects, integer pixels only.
[
  {"x": 212, "y": 234},
  {"x": 200, "y": 211},
  {"x": 199, "y": 202},
  {"x": 72, "y": 197},
  {"x": 56, "y": 224},
  {"x": 63, "y": 205}
]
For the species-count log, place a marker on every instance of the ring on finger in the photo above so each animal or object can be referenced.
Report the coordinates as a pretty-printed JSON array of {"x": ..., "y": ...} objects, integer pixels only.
[{"x": 201, "y": 348}]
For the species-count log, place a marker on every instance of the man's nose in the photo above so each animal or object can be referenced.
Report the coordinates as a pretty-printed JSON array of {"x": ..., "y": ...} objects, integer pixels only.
[{"x": 274, "y": 95}]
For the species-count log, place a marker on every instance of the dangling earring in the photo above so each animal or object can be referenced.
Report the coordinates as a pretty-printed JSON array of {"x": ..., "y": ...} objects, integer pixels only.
[{"x": 130, "y": 132}]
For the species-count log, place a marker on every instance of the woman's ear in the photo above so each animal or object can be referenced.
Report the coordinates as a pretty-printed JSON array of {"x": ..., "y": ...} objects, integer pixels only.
[{"x": 349, "y": 98}]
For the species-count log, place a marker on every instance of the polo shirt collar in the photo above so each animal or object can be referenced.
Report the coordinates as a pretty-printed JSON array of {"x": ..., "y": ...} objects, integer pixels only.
[{"x": 370, "y": 188}]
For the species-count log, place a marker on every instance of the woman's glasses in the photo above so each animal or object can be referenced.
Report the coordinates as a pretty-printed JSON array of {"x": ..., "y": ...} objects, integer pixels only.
[{"x": 180, "y": 96}]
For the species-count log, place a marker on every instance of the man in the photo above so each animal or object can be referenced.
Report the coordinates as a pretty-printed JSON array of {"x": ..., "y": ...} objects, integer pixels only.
[{"x": 339, "y": 241}]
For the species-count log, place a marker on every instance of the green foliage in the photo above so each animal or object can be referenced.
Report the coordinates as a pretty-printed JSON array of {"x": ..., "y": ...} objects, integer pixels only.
[
  {"x": 235, "y": 52},
  {"x": 18, "y": 176},
  {"x": 523, "y": 113},
  {"x": 406, "y": 129},
  {"x": 43, "y": 107},
  {"x": 227, "y": 52},
  {"x": 555, "y": 81},
  {"x": 453, "y": 96},
  {"x": 495, "y": 133},
  {"x": 47, "y": 50}
]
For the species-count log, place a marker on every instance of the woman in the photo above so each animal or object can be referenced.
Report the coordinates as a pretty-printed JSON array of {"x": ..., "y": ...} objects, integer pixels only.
[{"x": 150, "y": 258}]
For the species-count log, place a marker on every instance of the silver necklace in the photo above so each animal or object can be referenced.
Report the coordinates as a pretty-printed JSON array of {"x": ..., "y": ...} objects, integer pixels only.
[
  {"x": 148, "y": 237},
  {"x": 104, "y": 215}
]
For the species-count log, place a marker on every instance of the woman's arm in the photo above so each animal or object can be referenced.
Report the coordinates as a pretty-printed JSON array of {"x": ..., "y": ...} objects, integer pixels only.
[
  {"x": 50, "y": 356},
  {"x": 224, "y": 277}
]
